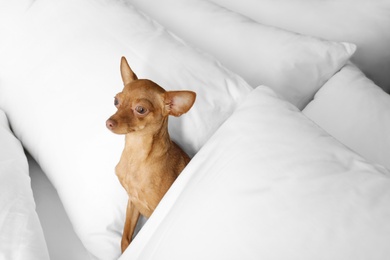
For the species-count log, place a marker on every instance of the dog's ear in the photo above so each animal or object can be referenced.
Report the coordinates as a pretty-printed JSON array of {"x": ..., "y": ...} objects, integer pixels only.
[
  {"x": 179, "y": 102},
  {"x": 127, "y": 74}
]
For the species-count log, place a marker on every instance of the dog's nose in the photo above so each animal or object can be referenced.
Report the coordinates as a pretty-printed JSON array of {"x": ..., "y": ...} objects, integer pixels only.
[{"x": 111, "y": 124}]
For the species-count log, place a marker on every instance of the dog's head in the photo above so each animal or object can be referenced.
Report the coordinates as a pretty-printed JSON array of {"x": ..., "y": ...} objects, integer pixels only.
[{"x": 145, "y": 106}]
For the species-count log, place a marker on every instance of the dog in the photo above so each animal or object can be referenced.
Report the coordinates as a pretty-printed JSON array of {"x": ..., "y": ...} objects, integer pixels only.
[{"x": 150, "y": 161}]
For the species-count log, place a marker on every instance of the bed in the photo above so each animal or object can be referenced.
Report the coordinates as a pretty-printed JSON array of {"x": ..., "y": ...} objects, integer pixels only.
[{"x": 288, "y": 136}]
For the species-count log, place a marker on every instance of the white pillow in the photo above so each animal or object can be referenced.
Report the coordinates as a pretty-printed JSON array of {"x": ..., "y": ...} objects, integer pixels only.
[
  {"x": 58, "y": 83},
  {"x": 11, "y": 11},
  {"x": 270, "y": 184},
  {"x": 294, "y": 65},
  {"x": 21, "y": 235},
  {"x": 363, "y": 22},
  {"x": 355, "y": 111}
]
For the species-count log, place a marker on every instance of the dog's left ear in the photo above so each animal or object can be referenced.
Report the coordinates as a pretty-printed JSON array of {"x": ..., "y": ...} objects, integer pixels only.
[
  {"x": 127, "y": 74},
  {"x": 179, "y": 102}
]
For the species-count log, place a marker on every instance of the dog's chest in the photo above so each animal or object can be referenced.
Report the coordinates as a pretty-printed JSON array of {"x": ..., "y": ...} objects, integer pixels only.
[
  {"x": 147, "y": 171},
  {"x": 132, "y": 174},
  {"x": 142, "y": 184}
]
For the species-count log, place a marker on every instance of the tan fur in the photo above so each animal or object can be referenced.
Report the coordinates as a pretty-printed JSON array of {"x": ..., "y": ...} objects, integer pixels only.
[{"x": 150, "y": 161}]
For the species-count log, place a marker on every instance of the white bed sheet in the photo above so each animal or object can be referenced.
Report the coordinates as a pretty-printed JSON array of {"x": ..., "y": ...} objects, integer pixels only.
[{"x": 21, "y": 235}]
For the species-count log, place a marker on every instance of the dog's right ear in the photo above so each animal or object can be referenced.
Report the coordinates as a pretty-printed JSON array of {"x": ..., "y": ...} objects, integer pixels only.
[
  {"x": 179, "y": 102},
  {"x": 127, "y": 74}
]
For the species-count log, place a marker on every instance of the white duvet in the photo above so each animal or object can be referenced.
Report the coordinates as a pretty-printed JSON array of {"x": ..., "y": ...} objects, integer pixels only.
[{"x": 21, "y": 235}]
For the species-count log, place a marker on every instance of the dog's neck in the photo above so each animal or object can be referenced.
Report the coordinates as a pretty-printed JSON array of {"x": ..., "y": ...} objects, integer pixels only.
[{"x": 148, "y": 145}]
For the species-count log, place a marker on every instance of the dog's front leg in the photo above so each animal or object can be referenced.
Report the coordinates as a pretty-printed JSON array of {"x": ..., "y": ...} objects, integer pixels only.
[{"x": 132, "y": 215}]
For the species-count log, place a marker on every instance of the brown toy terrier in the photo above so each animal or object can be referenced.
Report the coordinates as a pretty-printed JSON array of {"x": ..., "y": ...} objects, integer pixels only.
[{"x": 150, "y": 161}]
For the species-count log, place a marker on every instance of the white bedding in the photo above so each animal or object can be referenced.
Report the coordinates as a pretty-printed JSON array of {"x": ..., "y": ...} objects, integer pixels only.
[
  {"x": 355, "y": 111},
  {"x": 21, "y": 235},
  {"x": 363, "y": 22},
  {"x": 64, "y": 71},
  {"x": 270, "y": 184},
  {"x": 62, "y": 242},
  {"x": 294, "y": 65}
]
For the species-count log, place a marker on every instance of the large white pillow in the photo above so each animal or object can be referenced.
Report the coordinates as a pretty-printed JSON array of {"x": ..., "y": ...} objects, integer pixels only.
[
  {"x": 21, "y": 235},
  {"x": 11, "y": 12},
  {"x": 270, "y": 184},
  {"x": 294, "y": 65},
  {"x": 363, "y": 22},
  {"x": 355, "y": 111},
  {"x": 59, "y": 75}
]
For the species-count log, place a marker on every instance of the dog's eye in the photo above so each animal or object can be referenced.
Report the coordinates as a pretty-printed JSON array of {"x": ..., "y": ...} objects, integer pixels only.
[
  {"x": 140, "y": 110},
  {"x": 116, "y": 102}
]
